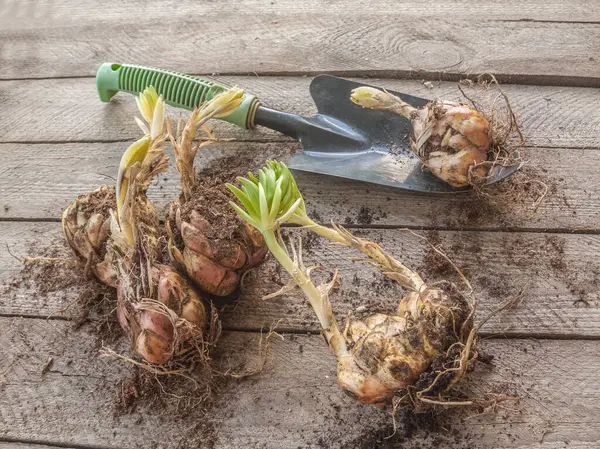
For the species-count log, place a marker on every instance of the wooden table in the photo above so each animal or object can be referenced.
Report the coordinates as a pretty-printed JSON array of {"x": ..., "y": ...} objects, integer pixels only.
[{"x": 58, "y": 140}]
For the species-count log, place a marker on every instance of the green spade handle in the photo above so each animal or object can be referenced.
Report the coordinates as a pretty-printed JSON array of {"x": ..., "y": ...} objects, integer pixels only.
[{"x": 179, "y": 90}]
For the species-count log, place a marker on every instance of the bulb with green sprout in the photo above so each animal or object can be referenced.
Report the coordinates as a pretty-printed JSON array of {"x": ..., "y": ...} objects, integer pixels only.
[
  {"x": 86, "y": 221},
  {"x": 159, "y": 309},
  {"x": 383, "y": 355},
  {"x": 451, "y": 139},
  {"x": 206, "y": 239}
]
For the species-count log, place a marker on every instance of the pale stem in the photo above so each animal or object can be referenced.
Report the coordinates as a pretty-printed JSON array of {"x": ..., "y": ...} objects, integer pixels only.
[
  {"x": 398, "y": 106},
  {"x": 185, "y": 158},
  {"x": 185, "y": 150},
  {"x": 319, "y": 302}
]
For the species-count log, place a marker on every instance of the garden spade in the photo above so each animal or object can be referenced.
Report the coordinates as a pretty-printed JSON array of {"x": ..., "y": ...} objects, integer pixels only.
[{"x": 342, "y": 139}]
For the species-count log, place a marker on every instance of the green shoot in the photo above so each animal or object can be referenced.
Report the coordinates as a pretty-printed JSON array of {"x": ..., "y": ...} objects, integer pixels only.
[{"x": 273, "y": 198}]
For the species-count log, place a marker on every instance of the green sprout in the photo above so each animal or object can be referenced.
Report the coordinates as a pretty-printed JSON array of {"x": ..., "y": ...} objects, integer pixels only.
[
  {"x": 273, "y": 198},
  {"x": 268, "y": 201}
]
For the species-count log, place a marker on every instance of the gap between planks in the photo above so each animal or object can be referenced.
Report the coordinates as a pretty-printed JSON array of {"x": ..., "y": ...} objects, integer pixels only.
[
  {"x": 407, "y": 75},
  {"x": 26, "y": 443},
  {"x": 283, "y": 330},
  {"x": 576, "y": 230}
]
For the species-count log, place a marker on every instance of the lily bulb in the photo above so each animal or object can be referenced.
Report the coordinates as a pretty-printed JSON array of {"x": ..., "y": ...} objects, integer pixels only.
[
  {"x": 86, "y": 227},
  {"x": 206, "y": 239},
  {"x": 215, "y": 261},
  {"x": 389, "y": 352},
  {"x": 450, "y": 138},
  {"x": 158, "y": 327}
]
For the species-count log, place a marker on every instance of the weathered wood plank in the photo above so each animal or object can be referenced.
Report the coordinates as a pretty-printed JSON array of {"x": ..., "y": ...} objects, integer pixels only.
[
  {"x": 559, "y": 290},
  {"x": 68, "y": 11},
  {"x": 558, "y": 276},
  {"x": 522, "y": 43},
  {"x": 550, "y": 116},
  {"x": 294, "y": 403},
  {"x": 38, "y": 181}
]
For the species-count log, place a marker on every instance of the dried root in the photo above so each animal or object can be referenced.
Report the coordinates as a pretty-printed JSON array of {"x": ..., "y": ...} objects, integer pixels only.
[
  {"x": 487, "y": 96},
  {"x": 505, "y": 133}
]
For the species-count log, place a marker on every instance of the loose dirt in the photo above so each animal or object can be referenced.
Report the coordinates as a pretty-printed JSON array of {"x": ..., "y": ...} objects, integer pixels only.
[
  {"x": 51, "y": 272},
  {"x": 172, "y": 397},
  {"x": 417, "y": 430},
  {"x": 185, "y": 399}
]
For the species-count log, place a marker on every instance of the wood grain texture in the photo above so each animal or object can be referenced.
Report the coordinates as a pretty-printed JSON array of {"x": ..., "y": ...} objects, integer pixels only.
[
  {"x": 68, "y": 11},
  {"x": 525, "y": 43},
  {"x": 39, "y": 181},
  {"x": 69, "y": 110},
  {"x": 560, "y": 290},
  {"x": 72, "y": 401},
  {"x": 58, "y": 140}
]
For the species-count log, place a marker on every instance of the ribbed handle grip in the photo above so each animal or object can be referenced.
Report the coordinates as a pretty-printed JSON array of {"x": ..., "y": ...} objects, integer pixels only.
[{"x": 178, "y": 89}]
